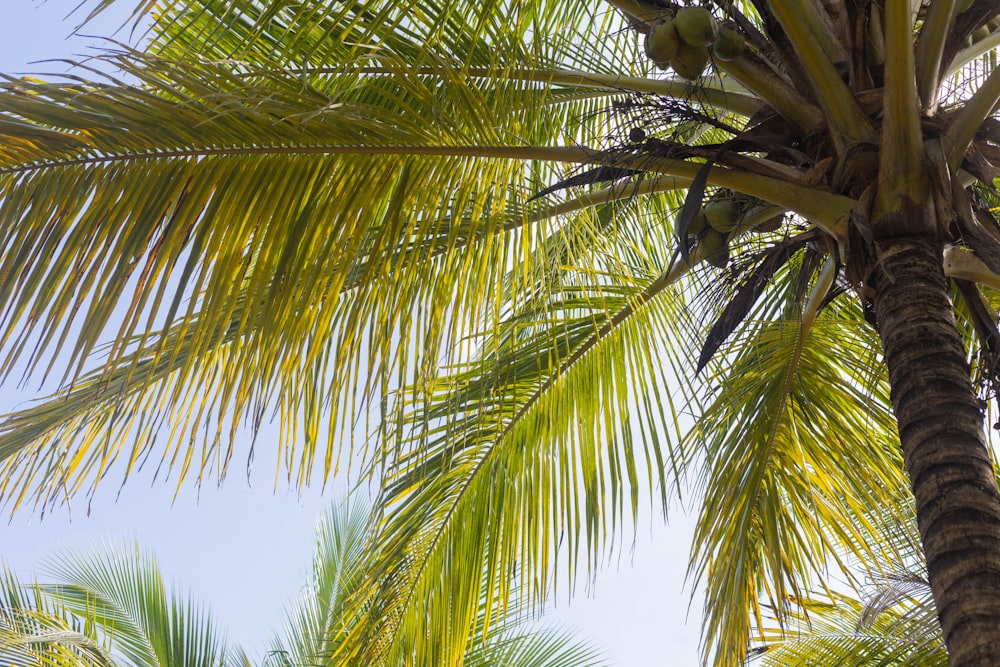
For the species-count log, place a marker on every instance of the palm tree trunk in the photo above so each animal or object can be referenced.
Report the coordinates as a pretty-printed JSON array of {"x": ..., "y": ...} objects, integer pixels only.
[{"x": 941, "y": 432}]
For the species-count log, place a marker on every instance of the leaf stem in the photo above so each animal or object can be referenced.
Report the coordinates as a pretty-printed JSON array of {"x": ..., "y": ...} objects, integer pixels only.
[
  {"x": 740, "y": 103},
  {"x": 827, "y": 210},
  {"x": 774, "y": 91},
  {"x": 968, "y": 120},
  {"x": 797, "y": 19},
  {"x": 902, "y": 168},
  {"x": 966, "y": 55},
  {"x": 643, "y": 11},
  {"x": 930, "y": 50},
  {"x": 610, "y": 194},
  {"x": 735, "y": 101}
]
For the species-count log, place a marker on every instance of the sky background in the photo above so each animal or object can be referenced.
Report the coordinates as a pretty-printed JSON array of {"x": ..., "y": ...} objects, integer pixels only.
[{"x": 245, "y": 549}]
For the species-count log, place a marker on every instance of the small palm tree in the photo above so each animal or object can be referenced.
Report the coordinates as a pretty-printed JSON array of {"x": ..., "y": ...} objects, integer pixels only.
[
  {"x": 105, "y": 610},
  {"x": 111, "y": 609}
]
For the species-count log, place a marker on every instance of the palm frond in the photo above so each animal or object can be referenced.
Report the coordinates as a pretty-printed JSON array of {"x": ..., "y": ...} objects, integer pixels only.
[
  {"x": 36, "y": 632},
  {"x": 832, "y": 630},
  {"x": 306, "y": 234},
  {"x": 525, "y": 457},
  {"x": 319, "y": 621},
  {"x": 121, "y": 592},
  {"x": 325, "y": 619},
  {"x": 796, "y": 414}
]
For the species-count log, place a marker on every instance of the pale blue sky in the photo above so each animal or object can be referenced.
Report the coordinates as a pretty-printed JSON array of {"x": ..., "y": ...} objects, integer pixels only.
[{"x": 245, "y": 549}]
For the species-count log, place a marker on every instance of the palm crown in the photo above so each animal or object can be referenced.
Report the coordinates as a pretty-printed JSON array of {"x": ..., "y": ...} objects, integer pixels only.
[{"x": 328, "y": 212}]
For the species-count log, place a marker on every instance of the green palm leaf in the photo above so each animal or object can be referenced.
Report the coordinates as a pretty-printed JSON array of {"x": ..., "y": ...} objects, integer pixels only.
[
  {"x": 322, "y": 621},
  {"x": 36, "y": 631},
  {"x": 782, "y": 443},
  {"x": 835, "y": 632},
  {"x": 121, "y": 592},
  {"x": 520, "y": 460},
  {"x": 111, "y": 608},
  {"x": 155, "y": 210}
]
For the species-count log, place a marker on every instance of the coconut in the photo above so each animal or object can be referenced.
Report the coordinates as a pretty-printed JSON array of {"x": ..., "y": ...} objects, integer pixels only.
[
  {"x": 695, "y": 26},
  {"x": 730, "y": 43},
  {"x": 723, "y": 215},
  {"x": 697, "y": 224},
  {"x": 714, "y": 248},
  {"x": 661, "y": 43},
  {"x": 690, "y": 61}
]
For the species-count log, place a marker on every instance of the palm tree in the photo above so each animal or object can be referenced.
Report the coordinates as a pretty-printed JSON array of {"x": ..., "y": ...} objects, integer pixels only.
[
  {"x": 331, "y": 213},
  {"x": 106, "y": 610},
  {"x": 111, "y": 608}
]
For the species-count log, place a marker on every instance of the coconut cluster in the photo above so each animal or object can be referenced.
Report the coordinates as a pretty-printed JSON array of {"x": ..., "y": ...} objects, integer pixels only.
[
  {"x": 722, "y": 219},
  {"x": 685, "y": 39}
]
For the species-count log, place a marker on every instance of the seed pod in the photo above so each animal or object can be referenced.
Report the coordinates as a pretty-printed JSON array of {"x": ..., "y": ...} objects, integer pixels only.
[
  {"x": 715, "y": 248},
  {"x": 695, "y": 26},
  {"x": 661, "y": 43},
  {"x": 723, "y": 216},
  {"x": 690, "y": 61},
  {"x": 730, "y": 43}
]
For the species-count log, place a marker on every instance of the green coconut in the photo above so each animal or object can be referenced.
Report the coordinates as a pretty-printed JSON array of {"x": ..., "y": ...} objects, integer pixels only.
[
  {"x": 697, "y": 225},
  {"x": 715, "y": 248},
  {"x": 661, "y": 43},
  {"x": 690, "y": 61},
  {"x": 730, "y": 43},
  {"x": 722, "y": 216},
  {"x": 695, "y": 26}
]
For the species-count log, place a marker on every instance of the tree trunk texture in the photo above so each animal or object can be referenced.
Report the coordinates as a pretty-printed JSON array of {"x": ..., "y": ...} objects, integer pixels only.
[{"x": 940, "y": 424}]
